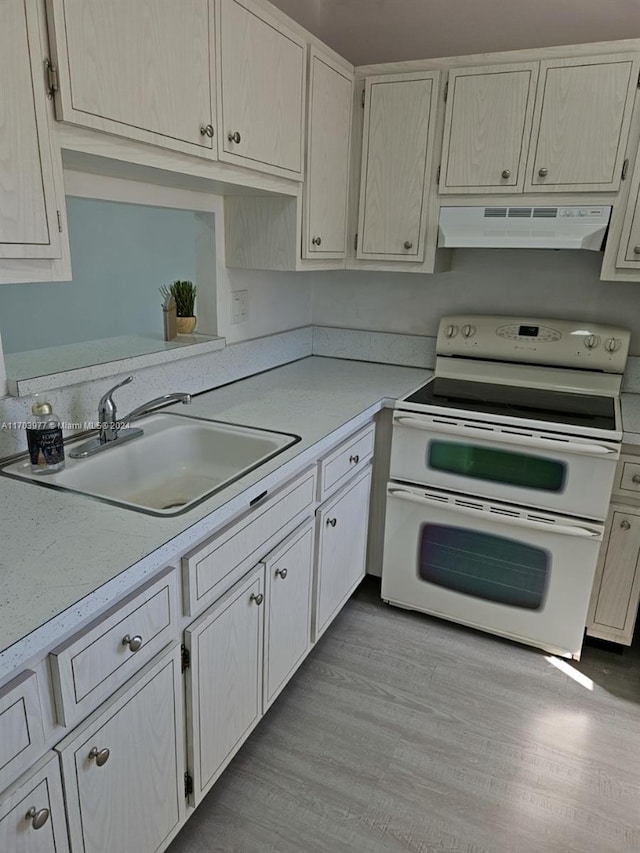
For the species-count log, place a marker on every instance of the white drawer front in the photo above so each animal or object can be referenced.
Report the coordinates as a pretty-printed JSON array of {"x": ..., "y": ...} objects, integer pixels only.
[
  {"x": 349, "y": 457},
  {"x": 629, "y": 481},
  {"x": 214, "y": 567},
  {"x": 21, "y": 735},
  {"x": 88, "y": 668}
]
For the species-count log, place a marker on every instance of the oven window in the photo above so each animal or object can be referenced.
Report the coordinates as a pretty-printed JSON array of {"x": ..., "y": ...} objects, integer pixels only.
[
  {"x": 500, "y": 466},
  {"x": 483, "y": 565}
]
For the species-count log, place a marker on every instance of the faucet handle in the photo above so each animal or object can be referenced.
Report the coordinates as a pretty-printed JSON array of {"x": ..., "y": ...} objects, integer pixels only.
[{"x": 106, "y": 404}]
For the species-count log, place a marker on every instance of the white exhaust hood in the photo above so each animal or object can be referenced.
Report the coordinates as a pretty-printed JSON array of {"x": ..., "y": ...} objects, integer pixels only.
[{"x": 523, "y": 227}]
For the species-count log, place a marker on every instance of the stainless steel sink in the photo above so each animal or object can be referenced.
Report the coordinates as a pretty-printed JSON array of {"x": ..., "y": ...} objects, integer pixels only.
[{"x": 177, "y": 462}]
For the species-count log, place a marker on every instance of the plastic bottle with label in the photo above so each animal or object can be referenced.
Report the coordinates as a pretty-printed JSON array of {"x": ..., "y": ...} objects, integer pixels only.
[{"x": 44, "y": 440}]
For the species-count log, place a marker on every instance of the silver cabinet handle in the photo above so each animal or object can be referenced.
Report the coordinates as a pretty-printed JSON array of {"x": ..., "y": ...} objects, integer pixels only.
[
  {"x": 316, "y": 241},
  {"x": 506, "y": 173},
  {"x": 543, "y": 172},
  {"x": 355, "y": 459},
  {"x": 259, "y": 598},
  {"x": 234, "y": 137},
  {"x": 636, "y": 250},
  {"x": 38, "y": 818},
  {"x": 408, "y": 244},
  {"x": 134, "y": 643},
  {"x": 207, "y": 130},
  {"x": 625, "y": 525},
  {"x": 332, "y": 522},
  {"x": 635, "y": 478},
  {"x": 101, "y": 755},
  {"x": 282, "y": 572}
]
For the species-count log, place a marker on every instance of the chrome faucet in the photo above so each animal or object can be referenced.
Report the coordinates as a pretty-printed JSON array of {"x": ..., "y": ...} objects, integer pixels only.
[{"x": 112, "y": 430}]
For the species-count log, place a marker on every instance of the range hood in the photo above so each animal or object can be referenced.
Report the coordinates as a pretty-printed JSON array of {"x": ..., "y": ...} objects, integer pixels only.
[{"x": 524, "y": 227}]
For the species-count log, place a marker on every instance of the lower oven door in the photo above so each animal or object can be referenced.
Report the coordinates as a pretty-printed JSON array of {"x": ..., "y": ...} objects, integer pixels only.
[
  {"x": 572, "y": 475},
  {"x": 517, "y": 573}
]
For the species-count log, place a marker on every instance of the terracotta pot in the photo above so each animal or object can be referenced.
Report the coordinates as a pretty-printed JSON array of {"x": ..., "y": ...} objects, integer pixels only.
[{"x": 185, "y": 325}]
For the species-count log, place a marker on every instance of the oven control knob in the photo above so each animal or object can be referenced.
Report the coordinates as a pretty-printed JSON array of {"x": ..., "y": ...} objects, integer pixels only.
[
  {"x": 591, "y": 341},
  {"x": 451, "y": 331},
  {"x": 612, "y": 345},
  {"x": 468, "y": 331}
]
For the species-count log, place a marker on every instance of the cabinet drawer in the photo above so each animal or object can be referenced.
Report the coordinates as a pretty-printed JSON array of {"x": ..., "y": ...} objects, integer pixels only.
[
  {"x": 21, "y": 735},
  {"x": 90, "y": 666},
  {"x": 628, "y": 481},
  {"x": 213, "y": 567},
  {"x": 349, "y": 457},
  {"x": 35, "y": 799}
]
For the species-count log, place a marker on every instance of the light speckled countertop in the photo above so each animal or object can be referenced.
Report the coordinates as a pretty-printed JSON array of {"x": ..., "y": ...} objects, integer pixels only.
[
  {"x": 630, "y": 418},
  {"x": 65, "y": 556}
]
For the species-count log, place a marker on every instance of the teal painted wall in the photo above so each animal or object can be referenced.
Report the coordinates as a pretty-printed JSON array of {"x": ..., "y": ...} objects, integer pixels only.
[{"x": 120, "y": 255}]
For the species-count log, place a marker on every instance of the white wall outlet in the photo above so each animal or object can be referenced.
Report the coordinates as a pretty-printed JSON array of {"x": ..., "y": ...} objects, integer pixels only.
[{"x": 239, "y": 306}]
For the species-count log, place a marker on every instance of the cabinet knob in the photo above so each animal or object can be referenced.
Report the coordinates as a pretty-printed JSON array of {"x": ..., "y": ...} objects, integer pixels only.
[
  {"x": 636, "y": 250},
  {"x": 625, "y": 525},
  {"x": 207, "y": 130},
  {"x": 234, "y": 137},
  {"x": 316, "y": 241},
  {"x": 332, "y": 522},
  {"x": 635, "y": 478},
  {"x": 506, "y": 173},
  {"x": 408, "y": 244},
  {"x": 134, "y": 643},
  {"x": 543, "y": 172},
  {"x": 355, "y": 459},
  {"x": 101, "y": 755},
  {"x": 259, "y": 598},
  {"x": 282, "y": 573},
  {"x": 37, "y": 817}
]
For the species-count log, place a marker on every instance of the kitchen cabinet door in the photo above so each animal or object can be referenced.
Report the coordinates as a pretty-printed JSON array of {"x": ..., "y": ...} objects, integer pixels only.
[
  {"x": 261, "y": 95},
  {"x": 396, "y": 156},
  {"x": 616, "y": 589},
  {"x": 28, "y": 214},
  {"x": 142, "y": 69},
  {"x": 328, "y": 141},
  {"x": 224, "y": 679},
  {"x": 341, "y": 534},
  {"x": 581, "y": 123},
  {"x": 288, "y": 572},
  {"x": 487, "y": 128},
  {"x": 123, "y": 768},
  {"x": 32, "y": 817}
]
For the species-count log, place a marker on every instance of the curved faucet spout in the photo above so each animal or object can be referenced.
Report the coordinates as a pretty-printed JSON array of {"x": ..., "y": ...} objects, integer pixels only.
[{"x": 156, "y": 403}]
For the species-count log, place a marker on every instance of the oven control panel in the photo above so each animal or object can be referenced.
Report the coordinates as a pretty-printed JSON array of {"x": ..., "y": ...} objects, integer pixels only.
[{"x": 560, "y": 343}]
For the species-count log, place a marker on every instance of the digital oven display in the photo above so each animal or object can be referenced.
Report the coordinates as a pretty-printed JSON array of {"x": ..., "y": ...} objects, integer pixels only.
[{"x": 528, "y": 331}]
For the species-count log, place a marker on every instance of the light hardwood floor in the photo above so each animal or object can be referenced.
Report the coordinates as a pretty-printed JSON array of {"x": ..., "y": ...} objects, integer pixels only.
[{"x": 402, "y": 732}]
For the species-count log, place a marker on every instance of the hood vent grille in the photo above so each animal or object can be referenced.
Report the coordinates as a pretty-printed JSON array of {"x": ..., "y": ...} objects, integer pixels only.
[{"x": 520, "y": 212}]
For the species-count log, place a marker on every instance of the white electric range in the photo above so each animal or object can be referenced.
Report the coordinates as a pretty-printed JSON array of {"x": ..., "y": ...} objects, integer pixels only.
[{"x": 502, "y": 467}]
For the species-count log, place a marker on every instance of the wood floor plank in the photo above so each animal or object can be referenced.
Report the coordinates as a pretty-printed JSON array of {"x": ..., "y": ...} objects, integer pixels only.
[{"x": 402, "y": 732}]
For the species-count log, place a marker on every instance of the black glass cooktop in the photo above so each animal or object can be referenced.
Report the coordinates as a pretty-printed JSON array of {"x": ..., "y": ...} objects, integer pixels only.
[{"x": 533, "y": 403}]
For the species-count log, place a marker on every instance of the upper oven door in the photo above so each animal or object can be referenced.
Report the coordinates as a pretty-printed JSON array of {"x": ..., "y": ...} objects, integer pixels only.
[{"x": 524, "y": 466}]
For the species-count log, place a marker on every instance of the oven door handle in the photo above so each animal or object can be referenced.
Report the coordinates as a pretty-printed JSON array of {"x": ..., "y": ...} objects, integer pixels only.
[
  {"x": 542, "y": 526},
  {"x": 529, "y": 441}
]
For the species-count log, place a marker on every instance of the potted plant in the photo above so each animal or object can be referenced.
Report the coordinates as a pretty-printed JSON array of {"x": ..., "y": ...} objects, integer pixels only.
[{"x": 184, "y": 293}]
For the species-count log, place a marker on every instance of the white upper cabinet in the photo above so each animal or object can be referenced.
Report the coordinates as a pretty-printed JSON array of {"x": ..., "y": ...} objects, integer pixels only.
[
  {"x": 581, "y": 123},
  {"x": 143, "y": 69},
  {"x": 28, "y": 216},
  {"x": 261, "y": 90},
  {"x": 328, "y": 141},
  {"x": 396, "y": 156},
  {"x": 487, "y": 128}
]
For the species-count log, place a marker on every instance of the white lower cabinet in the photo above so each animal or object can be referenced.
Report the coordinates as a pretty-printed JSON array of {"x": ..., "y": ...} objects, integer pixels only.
[
  {"x": 224, "y": 679},
  {"x": 123, "y": 768},
  {"x": 288, "y": 571},
  {"x": 32, "y": 816},
  {"x": 616, "y": 589},
  {"x": 341, "y": 534}
]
